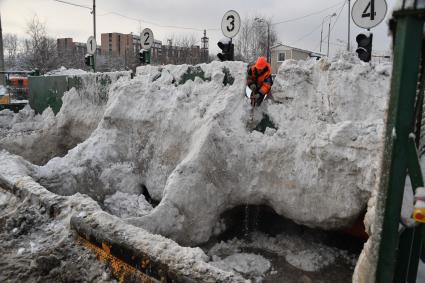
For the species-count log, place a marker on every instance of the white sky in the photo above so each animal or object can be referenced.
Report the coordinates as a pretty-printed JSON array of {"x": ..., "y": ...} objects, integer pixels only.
[{"x": 67, "y": 21}]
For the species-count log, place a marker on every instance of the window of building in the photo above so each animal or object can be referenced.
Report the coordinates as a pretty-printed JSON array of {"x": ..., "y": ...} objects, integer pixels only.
[{"x": 281, "y": 57}]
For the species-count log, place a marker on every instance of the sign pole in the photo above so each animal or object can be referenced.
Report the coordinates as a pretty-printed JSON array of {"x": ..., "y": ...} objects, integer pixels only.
[
  {"x": 349, "y": 22},
  {"x": 1, "y": 55}
]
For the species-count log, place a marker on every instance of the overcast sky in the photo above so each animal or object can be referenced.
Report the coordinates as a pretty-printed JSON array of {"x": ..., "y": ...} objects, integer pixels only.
[{"x": 67, "y": 21}]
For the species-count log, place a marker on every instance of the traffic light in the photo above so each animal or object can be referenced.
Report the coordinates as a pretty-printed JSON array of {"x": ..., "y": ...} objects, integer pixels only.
[
  {"x": 227, "y": 48},
  {"x": 144, "y": 56},
  {"x": 88, "y": 59},
  {"x": 364, "y": 46}
]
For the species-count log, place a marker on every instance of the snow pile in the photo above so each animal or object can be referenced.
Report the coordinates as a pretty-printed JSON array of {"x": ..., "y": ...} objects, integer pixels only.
[
  {"x": 249, "y": 265},
  {"x": 186, "y": 135},
  {"x": 3, "y": 90},
  {"x": 38, "y": 138},
  {"x": 23, "y": 122},
  {"x": 309, "y": 260},
  {"x": 127, "y": 205},
  {"x": 62, "y": 71},
  {"x": 182, "y": 132}
]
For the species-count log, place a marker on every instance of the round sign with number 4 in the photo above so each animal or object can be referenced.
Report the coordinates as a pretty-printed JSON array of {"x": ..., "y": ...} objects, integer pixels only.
[
  {"x": 230, "y": 24},
  {"x": 146, "y": 38},
  {"x": 369, "y": 13}
]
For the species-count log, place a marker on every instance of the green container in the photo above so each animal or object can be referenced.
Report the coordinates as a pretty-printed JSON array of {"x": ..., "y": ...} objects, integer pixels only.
[{"x": 47, "y": 91}]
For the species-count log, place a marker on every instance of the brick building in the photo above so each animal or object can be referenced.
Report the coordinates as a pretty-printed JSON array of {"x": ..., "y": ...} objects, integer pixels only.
[
  {"x": 118, "y": 44},
  {"x": 65, "y": 45}
]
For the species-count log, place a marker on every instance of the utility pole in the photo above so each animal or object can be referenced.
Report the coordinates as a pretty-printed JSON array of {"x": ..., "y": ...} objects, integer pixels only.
[
  {"x": 261, "y": 20},
  {"x": 329, "y": 35},
  {"x": 349, "y": 22},
  {"x": 321, "y": 32},
  {"x": 94, "y": 34},
  {"x": 1, "y": 55}
]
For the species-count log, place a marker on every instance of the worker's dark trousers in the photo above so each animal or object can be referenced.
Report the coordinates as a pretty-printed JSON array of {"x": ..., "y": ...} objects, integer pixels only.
[{"x": 260, "y": 99}]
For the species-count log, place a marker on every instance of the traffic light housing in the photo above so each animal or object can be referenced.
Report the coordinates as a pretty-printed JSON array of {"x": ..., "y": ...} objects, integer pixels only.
[
  {"x": 88, "y": 60},
  {"x": 144, "y": 56},
  {"x": 364, "y": 46},
  {"x": 228, "y": 50}
]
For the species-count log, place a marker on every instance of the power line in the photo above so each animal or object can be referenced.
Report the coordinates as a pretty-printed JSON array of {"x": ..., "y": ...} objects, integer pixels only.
[
  {"x": 333, "y": 26},
  {"x": 155, "y": 24},
  {"x": 308, "y": 15},
  {"x": 73, "y": 4},
  {"x": 317, "y": 27},
  {"x": 212, "y": 29},
  {"x": 308, "y": 34}
]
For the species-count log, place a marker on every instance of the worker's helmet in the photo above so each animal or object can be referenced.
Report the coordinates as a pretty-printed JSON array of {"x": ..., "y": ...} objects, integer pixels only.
[{"x": 261, "y": 63}]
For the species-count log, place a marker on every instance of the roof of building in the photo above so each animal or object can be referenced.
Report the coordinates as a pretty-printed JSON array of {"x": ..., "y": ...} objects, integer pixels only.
[{"x": 298, "y": 49}]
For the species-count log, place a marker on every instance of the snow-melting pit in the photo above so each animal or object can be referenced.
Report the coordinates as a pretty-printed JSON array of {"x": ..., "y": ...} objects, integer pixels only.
[
  {"x": 260, "y": 245},
  {"x": 265, "y": 125}
]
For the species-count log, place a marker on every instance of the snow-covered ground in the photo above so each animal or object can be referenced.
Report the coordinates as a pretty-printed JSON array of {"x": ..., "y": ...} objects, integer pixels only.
[{"x": 62, "y": 71}]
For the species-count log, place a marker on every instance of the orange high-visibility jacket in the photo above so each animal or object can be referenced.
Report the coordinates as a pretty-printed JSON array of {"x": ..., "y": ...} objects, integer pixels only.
[{"x": 262, "y": 79}]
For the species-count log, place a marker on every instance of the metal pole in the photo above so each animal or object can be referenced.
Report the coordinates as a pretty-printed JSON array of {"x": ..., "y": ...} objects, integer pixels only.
[
  {"x": 329, "y": 34},
  {"x": 321, "y": 33},
  {"x": 1, "y": 54},
  {"x": 268, "y": 42},
  {"x": 349, "y": 22},
  {"x": 94, "y": 34}
]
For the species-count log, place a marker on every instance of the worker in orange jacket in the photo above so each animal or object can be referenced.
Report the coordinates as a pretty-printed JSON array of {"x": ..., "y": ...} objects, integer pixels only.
[{"x": 259, "y": 79}]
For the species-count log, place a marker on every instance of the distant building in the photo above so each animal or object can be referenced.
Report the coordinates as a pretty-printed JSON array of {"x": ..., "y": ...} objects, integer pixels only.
[
  {"x": 117, "y": 44},
  {"x": 156, "y": 52},
  {"x": 68, "y": 48},
  {"x": 65, "y": 46},
  {"x": 281, "y": 52}
]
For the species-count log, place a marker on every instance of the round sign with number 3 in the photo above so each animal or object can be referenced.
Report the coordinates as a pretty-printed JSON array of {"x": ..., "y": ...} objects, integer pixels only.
[{"x": 230, "y": 24}]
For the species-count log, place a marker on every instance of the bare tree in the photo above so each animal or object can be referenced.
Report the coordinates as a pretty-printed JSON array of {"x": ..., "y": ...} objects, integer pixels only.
[
  {"x": 187, "y": 45},
  {"x": 181, "y": 50},
  {"x": 10, "y": 45},
  {"x": 40, "y": 49},
  {"x": 252, "y": 39}
]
